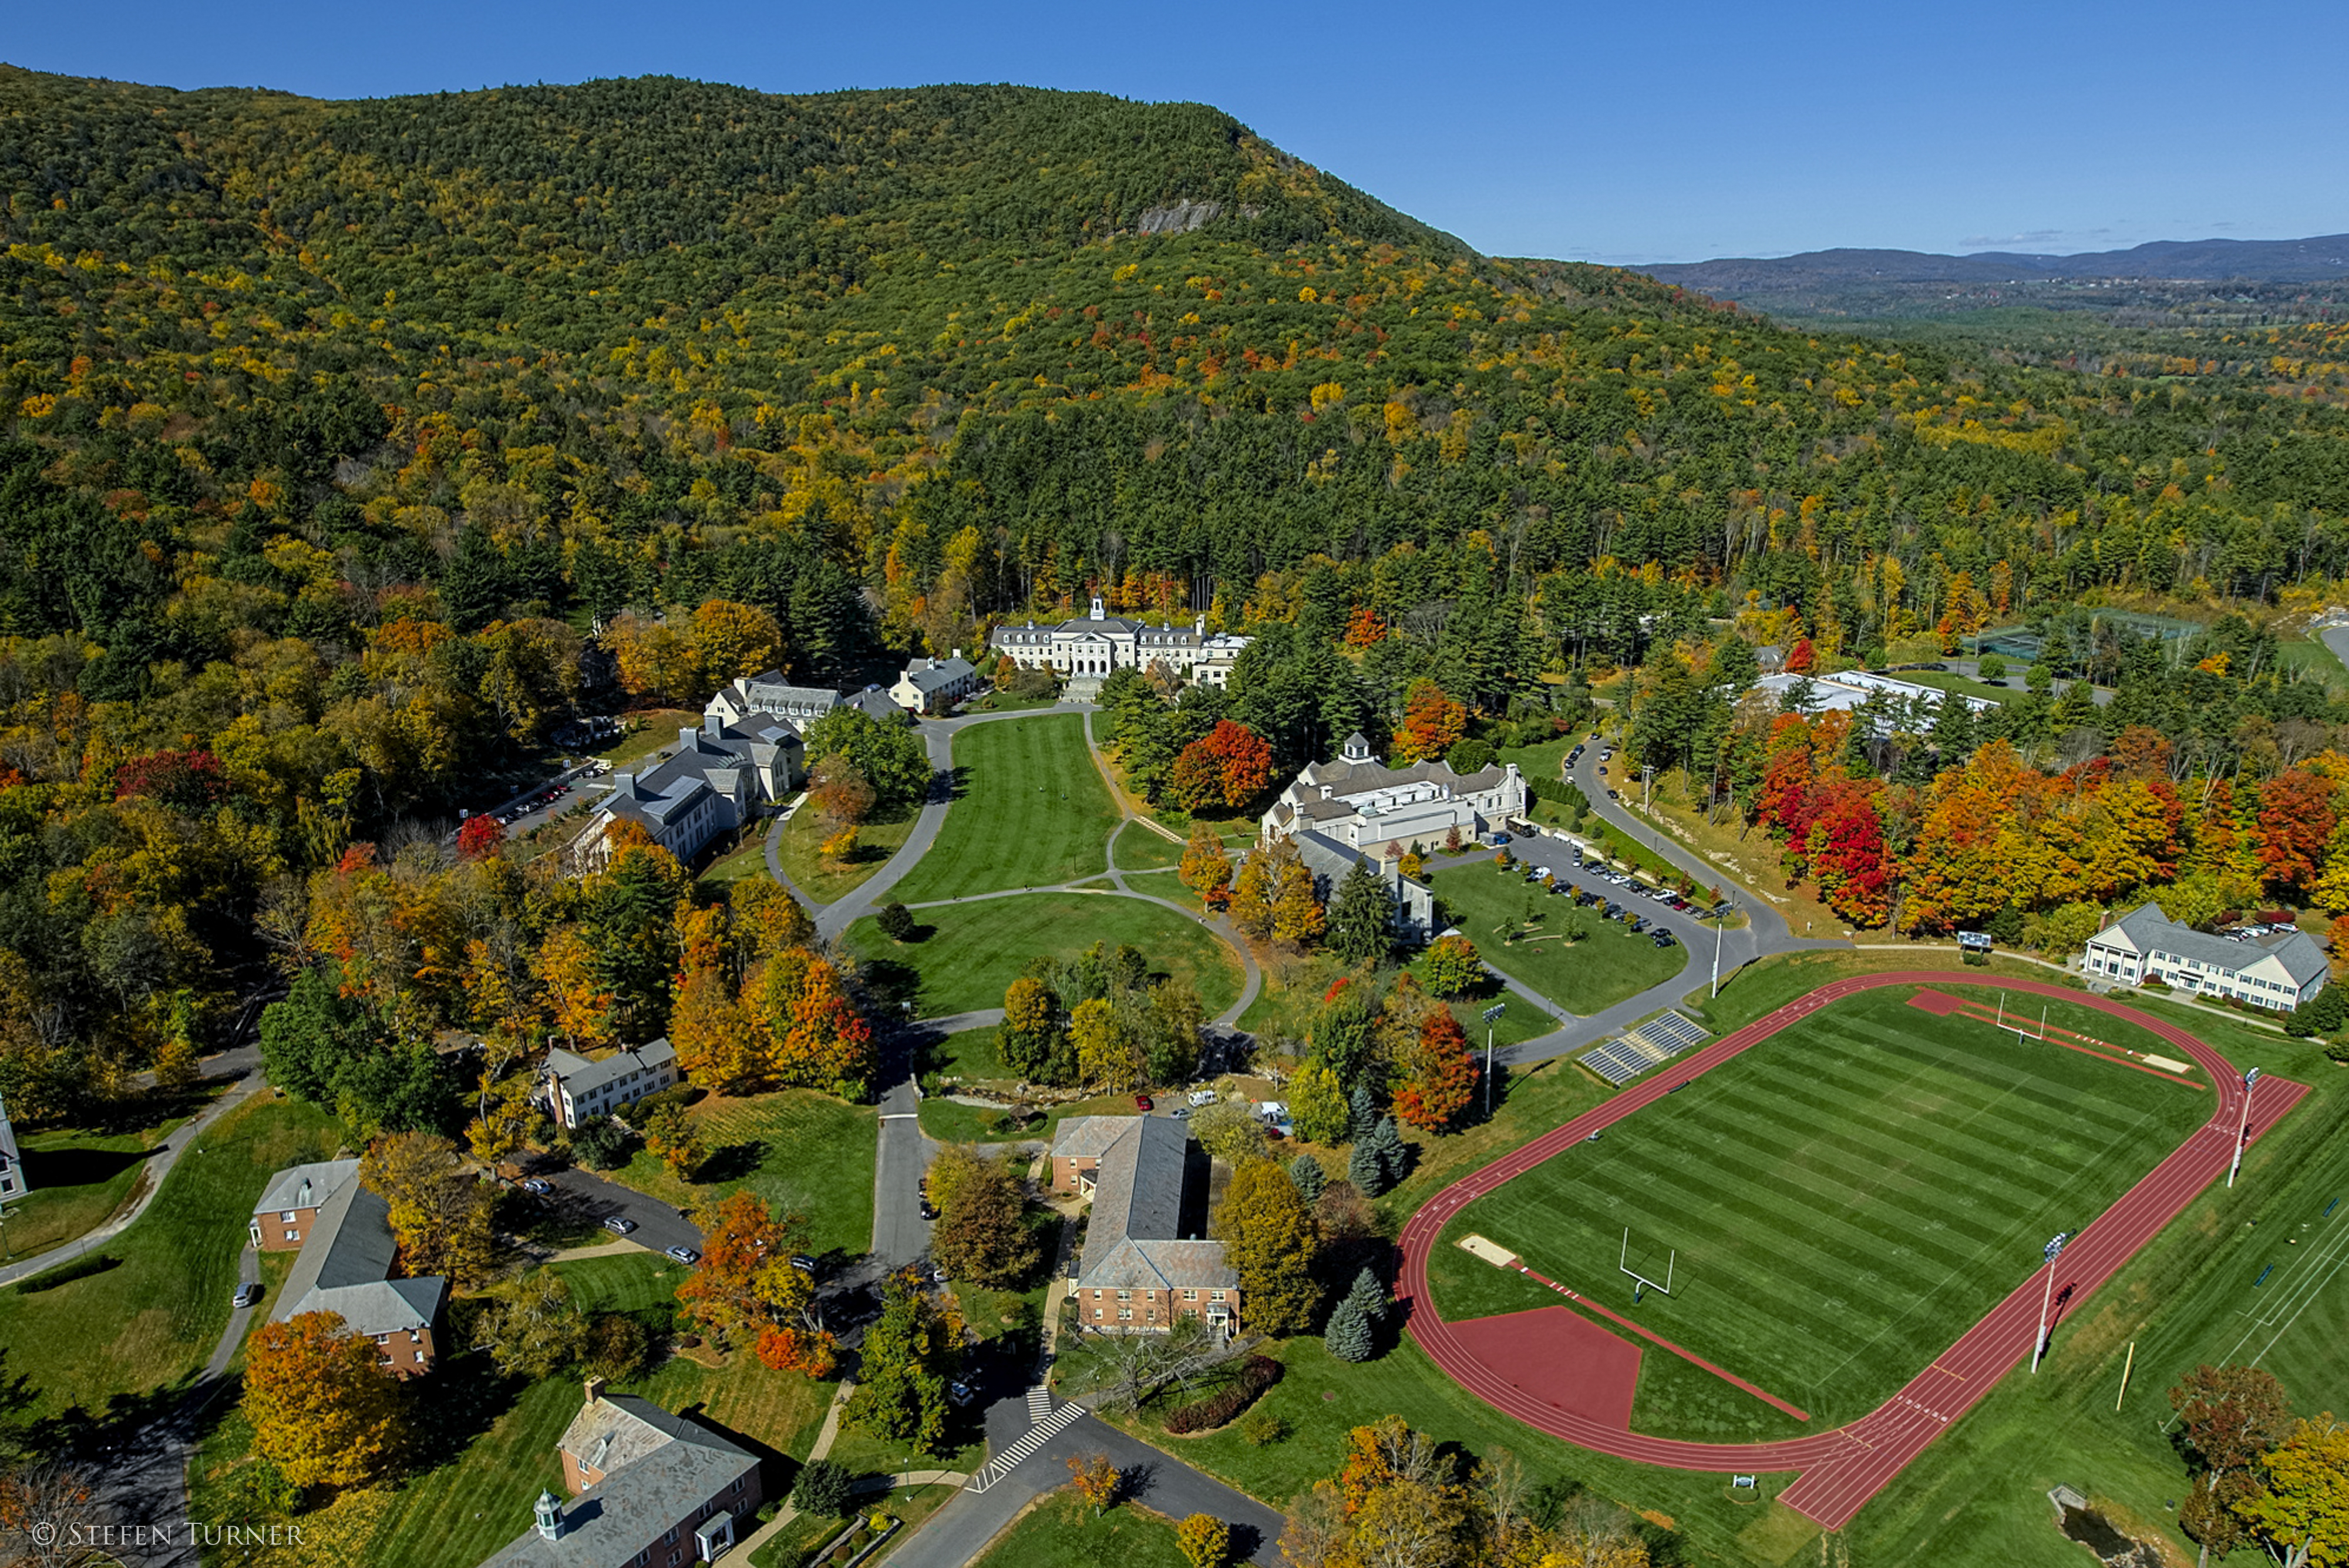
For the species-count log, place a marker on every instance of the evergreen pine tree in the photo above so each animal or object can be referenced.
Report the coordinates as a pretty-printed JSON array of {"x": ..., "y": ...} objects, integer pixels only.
[
  {"x": 1365, "y": 1113},
  {"x": 1368, "y": 1296},
  {"x": 1349, "y": 1336},
  {"x": 1361, "y": 917},
  {"x": 1366, "y": 1171},
  {"x": 1393, "y": 1155},
  {"x": 1306, "y": 1173}
]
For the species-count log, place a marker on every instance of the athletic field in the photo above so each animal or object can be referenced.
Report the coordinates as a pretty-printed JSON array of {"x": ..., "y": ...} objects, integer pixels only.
[{"x": 1844, "y": 1200}]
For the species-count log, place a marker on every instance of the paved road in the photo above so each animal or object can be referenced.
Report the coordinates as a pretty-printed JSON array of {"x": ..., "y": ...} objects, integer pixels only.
[
  {"x": 900, "y": 1234},
  {"x": 659, "y": 1226},
  {"x": 961, "y": 1529}
]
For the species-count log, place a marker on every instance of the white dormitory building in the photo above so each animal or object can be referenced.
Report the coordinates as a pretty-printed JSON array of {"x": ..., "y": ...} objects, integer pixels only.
[
  {"x": 1848, "y": 690},
  {"x": 935, "y": 685},
  {"x": 718, "y": 777},
  {"x": 2276, "y": 969},
  {"x": 1359, "y": 802},
  {"x": 577, "y": 1088},
  {"x": 1100, "y": 643}
]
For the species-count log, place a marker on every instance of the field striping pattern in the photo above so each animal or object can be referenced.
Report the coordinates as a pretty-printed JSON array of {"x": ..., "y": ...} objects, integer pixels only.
[
  {"x": 1843, "y": 1202},
  {"x": 1842, "y": 1468}
]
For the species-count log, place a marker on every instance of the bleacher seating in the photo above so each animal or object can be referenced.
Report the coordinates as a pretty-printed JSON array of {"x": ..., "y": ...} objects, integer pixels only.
[{"x": 1659, "y": 1039}]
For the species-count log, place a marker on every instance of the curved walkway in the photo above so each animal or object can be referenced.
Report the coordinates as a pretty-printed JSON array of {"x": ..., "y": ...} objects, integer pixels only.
[{"x": 1842, "y": 1468}]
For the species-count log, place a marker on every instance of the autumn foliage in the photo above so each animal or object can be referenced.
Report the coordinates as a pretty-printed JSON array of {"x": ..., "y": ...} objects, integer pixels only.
[{"x": 1222, "y": 770}]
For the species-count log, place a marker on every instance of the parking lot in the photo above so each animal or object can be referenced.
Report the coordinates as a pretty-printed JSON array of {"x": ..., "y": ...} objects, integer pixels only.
[{"x": 1556, "y": 855}]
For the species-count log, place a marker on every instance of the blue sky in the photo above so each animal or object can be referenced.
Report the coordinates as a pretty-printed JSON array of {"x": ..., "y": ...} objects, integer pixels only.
[{"x": 1608, "y": 132}]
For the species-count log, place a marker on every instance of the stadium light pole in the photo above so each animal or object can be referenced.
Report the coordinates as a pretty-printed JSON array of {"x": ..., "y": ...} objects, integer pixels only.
[
  {"x": 1719, "y": 928},
  {"x": 1491, "y": 1012},
  {"x": 2046, "y": 1300},
  {"x": 2243, "y": 1130}
]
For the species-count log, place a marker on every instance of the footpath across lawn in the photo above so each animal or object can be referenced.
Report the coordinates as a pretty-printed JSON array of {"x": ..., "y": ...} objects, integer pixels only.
[
  {"x": 150, "y": 1313},
  {"x": 972, "y": 952},
  {"x": 1029, "y": 811},
  {"x": 802, "y": 851}
]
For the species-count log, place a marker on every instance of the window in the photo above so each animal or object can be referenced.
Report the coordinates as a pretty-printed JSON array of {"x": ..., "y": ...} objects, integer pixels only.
[
  {"x": 1190, "y": 1295},
  {"x": 1126, "y": 1295},
  {"x": 293, "y": 1235},
  {"x": 1097, "y": 1314},
  {"x": 288, "y": 1216},
  {"x": 1125, "y": 1314}
]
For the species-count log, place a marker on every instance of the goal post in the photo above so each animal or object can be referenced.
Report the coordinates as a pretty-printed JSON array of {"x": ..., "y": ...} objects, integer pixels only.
[{"x": 1642, "y": 1282}]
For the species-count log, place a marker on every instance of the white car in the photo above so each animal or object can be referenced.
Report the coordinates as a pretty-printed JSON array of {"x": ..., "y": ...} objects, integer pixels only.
[{"x": 1202, "y": 1096}]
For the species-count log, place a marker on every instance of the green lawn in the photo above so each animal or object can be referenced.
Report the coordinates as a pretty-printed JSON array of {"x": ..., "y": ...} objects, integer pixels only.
[
  {"x": 1063, "y": 1531},
  {"x": 1607, "y": 965},
  {"x": 78, "y": 1177},
  {"x": 1031, "y": 811},
  {"x": 153, "y": 1318},
  {"x": 649, "y": 732},
  {"x": 1844, "y": 1200},
  {"x": 969, "y": 1053},
  {"x": 796, "y": 1148},
  {"x": 803, "y": 861},
  {"x": 1141, "y": 848},
  {"x": 748, "y": 860},
  {"x": 974, "y": 951},
  {"x": 1965, "y": 685}
]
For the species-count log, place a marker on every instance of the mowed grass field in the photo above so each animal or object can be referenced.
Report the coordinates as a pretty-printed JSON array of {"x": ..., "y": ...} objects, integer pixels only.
[
  {"x": 1029, "y": 811},
  {"x": 770, "y": 1144},
  {"x": 1844, "y": 1200},
  {"x": 974, "y": 951}
]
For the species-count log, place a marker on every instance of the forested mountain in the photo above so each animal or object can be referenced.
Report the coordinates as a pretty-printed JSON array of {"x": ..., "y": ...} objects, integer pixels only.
[{"x": 336, "y": 433}]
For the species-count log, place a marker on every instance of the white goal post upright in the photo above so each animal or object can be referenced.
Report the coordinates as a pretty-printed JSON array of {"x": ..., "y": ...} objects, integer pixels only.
[{"x": 1641, "y": 1283}]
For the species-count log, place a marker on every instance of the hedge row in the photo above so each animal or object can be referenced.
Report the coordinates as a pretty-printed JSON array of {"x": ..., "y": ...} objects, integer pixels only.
[{"x": 1258, "y": 1372}]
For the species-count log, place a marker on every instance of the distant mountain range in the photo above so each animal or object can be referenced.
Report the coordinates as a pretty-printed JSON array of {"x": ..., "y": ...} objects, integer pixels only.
[{"x": 2204, "y": 261}]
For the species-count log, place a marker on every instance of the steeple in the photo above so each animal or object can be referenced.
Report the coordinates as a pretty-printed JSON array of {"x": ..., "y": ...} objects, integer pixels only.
[
  {"x": 548, "y": 1513},
  {"x": 1099, "y": 613}
]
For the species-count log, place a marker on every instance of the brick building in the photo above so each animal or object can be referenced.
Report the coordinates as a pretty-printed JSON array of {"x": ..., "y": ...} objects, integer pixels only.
[{"x": 1146, "y": 1259}]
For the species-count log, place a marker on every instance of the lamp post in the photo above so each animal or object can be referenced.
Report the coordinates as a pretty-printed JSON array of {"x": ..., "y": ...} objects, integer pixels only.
[
  {"x": 2046, "y": 1300},
  {"x": 1491, "y": 1012},
  {"x": 2243, "y": 1130},
  {"x": 1720, "y": 927}
]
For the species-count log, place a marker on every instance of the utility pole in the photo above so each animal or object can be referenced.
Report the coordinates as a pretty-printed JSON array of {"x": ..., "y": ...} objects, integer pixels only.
[
  {"x": 2046, "y": 1300},
  {"x": 1491, "y": 1012},
  {"x": 2243, "y": 1131},
  {"x": 1720, "y": 927}
]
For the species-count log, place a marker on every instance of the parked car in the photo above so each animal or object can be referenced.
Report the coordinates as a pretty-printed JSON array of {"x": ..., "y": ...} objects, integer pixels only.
[
  {"x": 961, "y": 1393},
  {"x": 619, "y": 1224},
  {"x": 929, "y": 1210},
  {"x": 1500, "y": 838},
  {"x": 246, "y": 1294},
  {"x": 685, "y": 1254},
  {"x": 1202, "y": 1096},
  {"x": 802, "y": 1262},
  {"x": 537, "y": 1184},
  {"x": 1144, "y": 1103}
]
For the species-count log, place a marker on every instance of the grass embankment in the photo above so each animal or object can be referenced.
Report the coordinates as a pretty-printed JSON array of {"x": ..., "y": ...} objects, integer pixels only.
[
  {"x": 150, "y": 1318},
  {"x": 653, "y": 730},
  {"x": 1749, "y": 858},
  {"x": 1141, "y": 848},
  {"x": 825, "y": 880},
  {"x": 1845, "y": 1200},
  {"x": 1608, "y": 964},
  {"x": 798, "y": 1150},
  {"x": 1029, "y": 811},
  {"x": 972, "y": 952},
  {"x": 1063, "y": 1531},
  {"x": 78, "y": 1176},
  {"x": 1294, "y": 986}
]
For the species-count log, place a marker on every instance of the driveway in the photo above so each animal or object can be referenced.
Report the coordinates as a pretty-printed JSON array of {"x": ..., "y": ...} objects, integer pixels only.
[
  {"x": 960, "y": 1531},
  {"x": 659, "y": 1226},
  {"x": 900, "y": 1234}
]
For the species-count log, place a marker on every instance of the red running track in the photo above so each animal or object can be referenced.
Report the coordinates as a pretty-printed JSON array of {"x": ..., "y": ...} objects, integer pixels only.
[{"x": 1841, "y": 1470}]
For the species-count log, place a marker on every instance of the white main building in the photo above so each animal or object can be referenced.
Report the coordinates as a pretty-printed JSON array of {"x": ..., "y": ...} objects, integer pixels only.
[
  {"x": 1099, "y": 643},
  {"x": 1361, "y": 803}
]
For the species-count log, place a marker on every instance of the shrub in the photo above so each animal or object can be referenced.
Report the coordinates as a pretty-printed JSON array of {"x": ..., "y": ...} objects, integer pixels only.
[
  {"x": 1263, "y": 1429},
  {"x": 822, "y": 1486},
  {"x": 1257, "y": 1374},
  {"x": 896, "y": 920},
  {"x": 602, "y": 1143}
]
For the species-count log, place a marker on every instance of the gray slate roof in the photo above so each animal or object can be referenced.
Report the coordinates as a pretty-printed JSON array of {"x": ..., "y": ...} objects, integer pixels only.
[
  {"x": 582, "y": 1077},
  {"x": 345, "y": 1266},
  {"x": 939, "y": 673},
  {"x": 2148, "y": 929},
  {"x": 1134, "y": 1237},
  {"x": 671, "y": 1467},
  {"x": 307, "y": 1186}
]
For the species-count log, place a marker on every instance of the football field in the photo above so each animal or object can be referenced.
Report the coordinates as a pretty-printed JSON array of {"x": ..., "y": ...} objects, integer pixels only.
[{"x": 1835, "y": 1206}]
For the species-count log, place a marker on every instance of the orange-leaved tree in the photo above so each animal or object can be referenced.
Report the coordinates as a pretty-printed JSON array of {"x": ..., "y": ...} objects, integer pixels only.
[
  {"x": 1431, "y": 722},
  {"x": 321, "y": 1408},
  {"x": 1206, "y": 868},
  {"x": 745, "y": 1280}
]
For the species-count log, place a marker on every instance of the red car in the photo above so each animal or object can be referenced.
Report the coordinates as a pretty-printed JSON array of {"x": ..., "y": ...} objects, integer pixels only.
[{"x": 1142, "y": 1103}]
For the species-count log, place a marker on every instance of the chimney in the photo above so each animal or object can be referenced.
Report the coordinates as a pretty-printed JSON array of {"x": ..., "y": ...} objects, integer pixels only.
[
  {"x": 711, "y": 724},
  {"x": 1200, "y": 626},
  {"x": 594, "y": 1390},
  {"x": 686, "y": 736}
]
